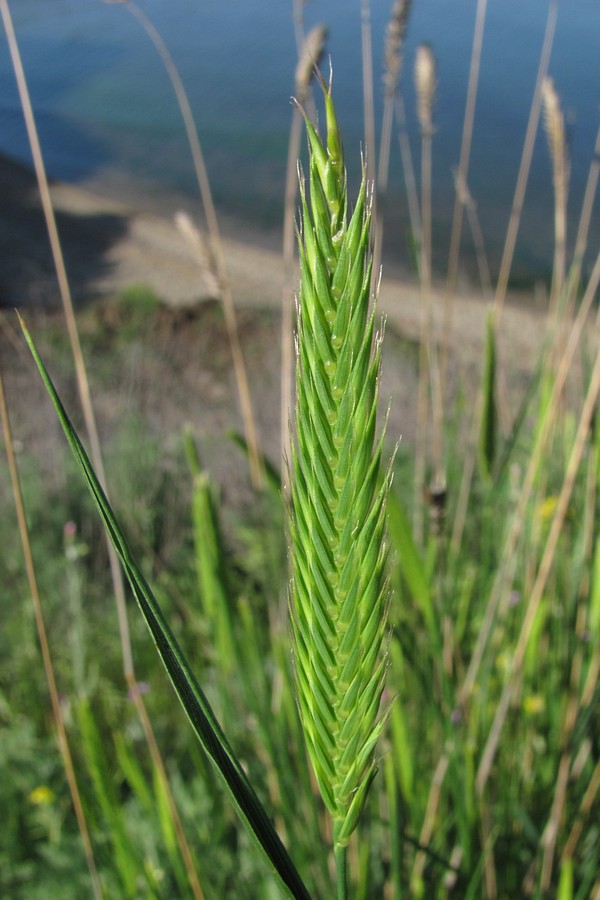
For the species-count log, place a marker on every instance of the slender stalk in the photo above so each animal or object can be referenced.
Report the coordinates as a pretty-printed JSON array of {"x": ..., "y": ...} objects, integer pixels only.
[
  {"x": 429, "y": 374},
  {"x": 91, "y": 427},
  {"x": 584, "y": 223},
  {"x": 511, "y": 543},
  {"x": 517, "y": 205},
  {"x": 462, "y": 196},
  {"x": 341, "y": 871},
  {"x": 63, "y": 741},
  {"x": 368, "y": 96},
  {"x": 186, "y": 685},
  {"x": 216, "y": 243},
  {"x": 478, "y": 243},
  {"x": 581, "y": 438},
  {"x": 394, "y": 44},
  {"x": 465, "y": 149},
  {"x": 408, "y": 169},
  {"x": 504, "y": 574},
  {"x": 67, "y": 301}
]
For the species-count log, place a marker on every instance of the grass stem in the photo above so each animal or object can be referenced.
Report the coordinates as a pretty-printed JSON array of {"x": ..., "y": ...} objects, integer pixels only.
[
  {"x": 216, "y": 244},
  {"x": 63, "y": 741}
]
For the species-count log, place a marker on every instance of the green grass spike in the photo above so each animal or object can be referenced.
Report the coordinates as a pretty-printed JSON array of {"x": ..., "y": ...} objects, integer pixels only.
[{"x": 338, "y": 596}]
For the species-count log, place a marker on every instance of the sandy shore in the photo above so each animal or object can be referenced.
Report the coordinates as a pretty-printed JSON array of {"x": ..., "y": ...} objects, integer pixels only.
[
  {"x": 177, "y": 369},
  {"x": 109, "y": 245}
]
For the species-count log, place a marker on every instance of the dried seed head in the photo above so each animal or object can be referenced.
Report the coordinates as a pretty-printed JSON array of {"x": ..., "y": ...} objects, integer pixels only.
[
  {"x": 312, "y": 51},
  {"x": 425, "y": 81},
  {"x": 394, "y": 41},
  {"x": 554, "y": 125}
]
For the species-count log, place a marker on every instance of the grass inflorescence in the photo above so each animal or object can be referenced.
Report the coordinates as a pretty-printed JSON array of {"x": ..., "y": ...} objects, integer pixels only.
[{"x": 337, "y": 524}]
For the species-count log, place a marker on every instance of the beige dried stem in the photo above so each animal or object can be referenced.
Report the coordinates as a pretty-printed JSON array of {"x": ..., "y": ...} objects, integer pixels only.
[
  {"x": 311, "y": 52},
  {"x": 408, "y": 170},
  {"x": 192, "y": 234},
  {"x": 462, "y": 195},
  {"x": 61, "y": 733},
  {"x": 368, "y": 95},
  {"x": 554, "y": 125},
  {"x": 393, "y": 58},
  {"x": 584, "y": 224},
  {"x": 425, "y": 83},
  {"x": 556, "y": 527},
  {"x": 503, "y": 576},
  {"x": 216, "y": 244},
  {"x": 525, "y": 165},
  {"x": 470, "y": 208},
  {"x": 92, "y": 432},
  {"x": 570, "y": 748}
]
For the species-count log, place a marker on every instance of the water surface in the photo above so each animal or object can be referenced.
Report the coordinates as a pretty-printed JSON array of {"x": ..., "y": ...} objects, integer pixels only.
[{"x": 108, "y": 119}]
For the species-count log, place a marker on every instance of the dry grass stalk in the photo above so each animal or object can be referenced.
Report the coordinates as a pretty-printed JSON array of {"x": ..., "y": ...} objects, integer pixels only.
[
  {"x": 462, "y": 191},
  {"x": 408, "y": 170},
  {"x": 504, "y": 574},
  {"x": 313, "y": 48},
  {"x": 394, "y": 44},
  {"x": 519, "y": 196},
  {"x": 61, "y": 733},
  {"x": 393, "y": 56},
  {"x": 581, "y": 438},
  {"x": 468, "y": 204},
  {"x": 92, "y": 431},
  {"x": 584, "y": 222},
  {"x": 218, "y": 254},
  {"x": 462, "y": 198},
  {"x": 192, "y": 234},
  {"x": 429, "y": 372},
  {"x": 368, "y": 93}
]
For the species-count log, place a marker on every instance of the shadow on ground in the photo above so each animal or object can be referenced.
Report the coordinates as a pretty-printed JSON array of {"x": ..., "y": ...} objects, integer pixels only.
[{"x": 27, "y": 273}]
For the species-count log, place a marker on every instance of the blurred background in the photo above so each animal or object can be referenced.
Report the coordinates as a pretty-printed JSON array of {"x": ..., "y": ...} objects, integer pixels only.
[{"x": 108, "y": 119}]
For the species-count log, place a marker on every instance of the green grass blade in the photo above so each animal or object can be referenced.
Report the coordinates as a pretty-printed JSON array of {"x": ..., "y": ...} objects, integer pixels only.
[
  {"x": 410, "y": 562},
  {"x": 190, "y": 694}
]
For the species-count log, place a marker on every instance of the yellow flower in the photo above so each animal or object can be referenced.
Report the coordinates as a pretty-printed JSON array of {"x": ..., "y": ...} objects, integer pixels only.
[
  {"x": 546, "y": 509},
  {"x": 41, "y": 796},
  {"x": 534, "y": 704}
]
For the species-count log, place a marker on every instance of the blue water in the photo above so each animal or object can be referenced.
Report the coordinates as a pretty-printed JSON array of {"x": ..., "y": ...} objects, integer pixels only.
[{"x": 108, "y": 119}]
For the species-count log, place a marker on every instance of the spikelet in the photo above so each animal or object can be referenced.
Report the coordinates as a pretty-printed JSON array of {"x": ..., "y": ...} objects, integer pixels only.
[
  {"x": 338, "y": 595},
  {"x": 425, "y": 82},
  {"x": 394, "y": 41},
  {"x": 312, "y": 51}
]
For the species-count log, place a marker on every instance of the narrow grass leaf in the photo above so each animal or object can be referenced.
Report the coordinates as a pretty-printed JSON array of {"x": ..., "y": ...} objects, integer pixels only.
[
  {"x": 410, "y": 562},
  {"x": 190, "y": 694}
]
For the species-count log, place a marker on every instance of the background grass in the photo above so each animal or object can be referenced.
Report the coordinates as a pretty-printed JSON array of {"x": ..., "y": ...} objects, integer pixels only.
[{"x": 235, "y": 634}]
